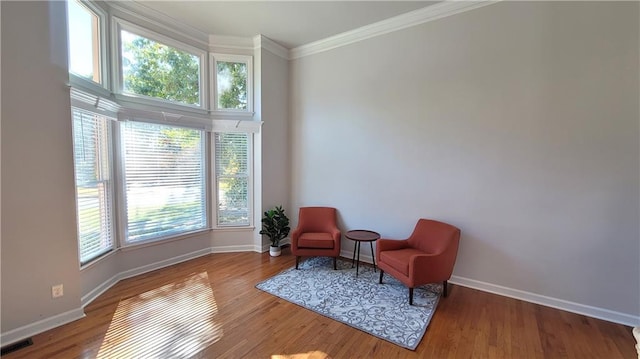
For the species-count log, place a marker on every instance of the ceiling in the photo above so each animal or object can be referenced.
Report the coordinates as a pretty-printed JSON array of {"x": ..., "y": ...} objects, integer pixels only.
[{"x": 289, "y": 23}]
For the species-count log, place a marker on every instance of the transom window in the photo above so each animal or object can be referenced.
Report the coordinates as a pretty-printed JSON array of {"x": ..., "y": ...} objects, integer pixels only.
[
  {"x": 155, "y": 67},
  {"x": 232, "y": 77},
  {"x": 85, "y": 58}
]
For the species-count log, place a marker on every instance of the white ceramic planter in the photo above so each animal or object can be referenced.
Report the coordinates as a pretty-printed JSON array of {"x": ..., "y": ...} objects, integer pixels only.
[{"x": 275, "y": 251}]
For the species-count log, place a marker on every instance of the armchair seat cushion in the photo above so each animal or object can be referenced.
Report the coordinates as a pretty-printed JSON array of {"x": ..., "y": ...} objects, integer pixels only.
[
  {"x": 317, "y": 234},
  {"x": 316, "y": 240},
  {"x": 399, "y": 259}
]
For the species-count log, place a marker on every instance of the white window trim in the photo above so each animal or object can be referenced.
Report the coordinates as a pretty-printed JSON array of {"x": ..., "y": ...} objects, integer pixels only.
[
  {"x": 116, "y": 66},
  {"x": 104, "y": 52},
  {"x": 213, "y": 65},
  {"x": 214, "y": 183},
  {"x": 91, "y": 102},
  {"x": 107, "y": 99}
]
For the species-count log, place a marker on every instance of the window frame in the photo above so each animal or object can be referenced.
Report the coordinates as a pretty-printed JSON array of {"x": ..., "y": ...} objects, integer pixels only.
[
  {"x": 118, "y": 25},
  {"x": 103, "y": 50},
  {"x": 107, "y": 99},
  {"x": 250, "y": 182},
  {"x": 214, "y": 58}
]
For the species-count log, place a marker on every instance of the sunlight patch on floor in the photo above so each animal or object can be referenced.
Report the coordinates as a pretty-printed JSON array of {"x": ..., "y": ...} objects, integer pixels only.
[
  {"x": 173, "y": 321},
  {"x": 310, "y": 355}
]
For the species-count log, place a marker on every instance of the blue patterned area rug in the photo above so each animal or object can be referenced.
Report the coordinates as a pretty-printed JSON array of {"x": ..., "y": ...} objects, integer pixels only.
[{"x": 381, "y": 310}]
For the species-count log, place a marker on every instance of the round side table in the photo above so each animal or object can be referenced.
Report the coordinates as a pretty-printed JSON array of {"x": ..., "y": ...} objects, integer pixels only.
[{"x": 359, "y": 236}]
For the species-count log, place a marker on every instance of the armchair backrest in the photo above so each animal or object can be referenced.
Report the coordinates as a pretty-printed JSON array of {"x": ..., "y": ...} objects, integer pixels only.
[
  {"x": 317, "y": 219},
  {"x": 434, "y": 237}
]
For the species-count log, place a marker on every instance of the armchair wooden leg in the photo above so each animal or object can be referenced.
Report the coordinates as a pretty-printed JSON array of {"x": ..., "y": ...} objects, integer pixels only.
[
  {"x": 444, "y": 288},
  {"x": 381, "y": 273},
  {"x": 297, "y": 261},
  {"x": 335, "y": 263},
  {"x": 410, "y": 296}
]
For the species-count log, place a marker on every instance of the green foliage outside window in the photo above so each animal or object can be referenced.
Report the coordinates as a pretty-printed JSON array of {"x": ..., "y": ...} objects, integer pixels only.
[
  {"x": 232, "y": 85},
  {"x": 156, "y": 70},
  {"x": 232, "y": 173}
]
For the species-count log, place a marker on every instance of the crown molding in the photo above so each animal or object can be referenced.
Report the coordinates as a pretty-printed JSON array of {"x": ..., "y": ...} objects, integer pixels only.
[
  {"x": 413, "y": 18},
  {"x": 223, "y": 43},
  {"x": 263, "y": 42},
  {"x": 170, "y": 25}
]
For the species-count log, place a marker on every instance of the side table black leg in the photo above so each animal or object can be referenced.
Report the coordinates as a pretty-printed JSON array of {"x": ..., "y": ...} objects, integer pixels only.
[
  {"x": 353, "y": 260},
  {"x": 373, "y": 255},
  {"x": 358, "y": 259}
]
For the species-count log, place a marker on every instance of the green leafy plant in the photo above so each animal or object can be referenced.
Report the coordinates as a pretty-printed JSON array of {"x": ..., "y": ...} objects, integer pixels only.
[{"x": 275, "y": 225}]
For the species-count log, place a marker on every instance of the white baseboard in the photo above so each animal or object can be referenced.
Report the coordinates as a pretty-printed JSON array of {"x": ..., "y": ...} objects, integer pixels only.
[
  {"x": 366, "y": 258},
  {"x": 64, "y": 318},
  {"x": 40, "y": 326},
  {"x": 75, "y": 314},
  {"x": 163, "y": 263},
  {"x": 96, "y": 292},
  {"x": 232, "y": 249},
  {"x": 590, "y": 311},
  {"x": 265, "y": 247}
]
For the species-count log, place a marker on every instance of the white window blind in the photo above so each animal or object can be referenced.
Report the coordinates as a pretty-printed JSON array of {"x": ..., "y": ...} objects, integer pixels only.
[
  {"x": 232, "y": 178},
  {"x": 94, "y": 188},
  {"x": 164, "y": 180}
]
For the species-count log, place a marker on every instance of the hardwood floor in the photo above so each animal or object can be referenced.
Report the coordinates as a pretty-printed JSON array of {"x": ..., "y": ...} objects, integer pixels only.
[{"x": 249, "y": 323}]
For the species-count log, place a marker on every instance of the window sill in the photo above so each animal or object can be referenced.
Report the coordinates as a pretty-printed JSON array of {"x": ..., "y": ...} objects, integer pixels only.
[
  {"x": 238, "y": 115},
  {"x": 98, "y": 259},
  {"x": 234, "y": 229}
]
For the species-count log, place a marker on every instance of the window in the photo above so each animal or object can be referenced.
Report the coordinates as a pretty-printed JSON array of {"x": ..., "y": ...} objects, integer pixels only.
[
  {"x": 152, "y": 66},
  {"x": 232, "y": 178},
  {"x": 84, "y": 30},
  {"x": 154, "y": 174},
  {"x": 94, "y": 190},
  {"x": 164, "y": 181},
  {"x": 232, "y": 82}
]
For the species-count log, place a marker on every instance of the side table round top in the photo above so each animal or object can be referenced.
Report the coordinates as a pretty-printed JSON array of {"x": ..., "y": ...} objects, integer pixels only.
[{"x": 362, "y": 235}]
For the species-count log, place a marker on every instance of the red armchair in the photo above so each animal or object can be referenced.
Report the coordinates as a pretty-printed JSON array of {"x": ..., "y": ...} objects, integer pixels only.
[
  {"x": 317, "y": 234},
  {"x": 427, "y": 256}
]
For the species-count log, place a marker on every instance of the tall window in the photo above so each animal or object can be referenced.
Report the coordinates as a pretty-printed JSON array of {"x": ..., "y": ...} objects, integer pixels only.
[
  {"x": 84, "y": 41},
  {"x": 94, "y": 188},
  {"x": 232, "y": 178},
  {"x": 164, "y": 180},
  {"x": 138, "y": 181},
  {"x": 153, "y": 68}
]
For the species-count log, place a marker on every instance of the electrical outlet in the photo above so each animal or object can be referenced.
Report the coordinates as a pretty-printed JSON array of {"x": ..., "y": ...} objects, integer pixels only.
[{"x": 57, "y": 291}]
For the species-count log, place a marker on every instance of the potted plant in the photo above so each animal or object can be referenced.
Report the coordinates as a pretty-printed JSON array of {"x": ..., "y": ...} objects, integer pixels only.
[{"x": 275, "y": 225}]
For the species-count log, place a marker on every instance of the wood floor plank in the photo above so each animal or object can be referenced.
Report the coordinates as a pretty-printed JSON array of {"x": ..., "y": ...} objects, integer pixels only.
[{"x": 254, "y": 324}]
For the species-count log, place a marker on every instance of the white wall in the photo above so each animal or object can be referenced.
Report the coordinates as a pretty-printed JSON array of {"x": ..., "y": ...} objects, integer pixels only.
[
  {"x": 275, "y": 132},
  {"x": 517, "y": 122},
  {"x": 39, "y": 240},
  {"x": 39, "y": 247}
]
